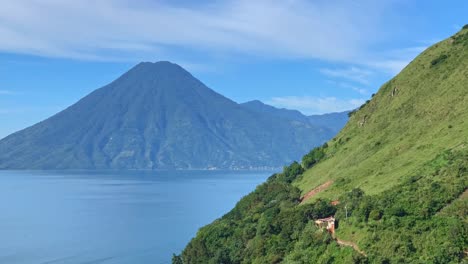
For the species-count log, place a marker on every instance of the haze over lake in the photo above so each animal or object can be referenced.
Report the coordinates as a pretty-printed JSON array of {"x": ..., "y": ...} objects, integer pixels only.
[{"x": 119, "y": 217}]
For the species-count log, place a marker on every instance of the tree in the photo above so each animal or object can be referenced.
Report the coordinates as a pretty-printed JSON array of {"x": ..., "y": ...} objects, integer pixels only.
[
  {"x": 313, "y": 157},
  {"x": 176, "y": 259}
]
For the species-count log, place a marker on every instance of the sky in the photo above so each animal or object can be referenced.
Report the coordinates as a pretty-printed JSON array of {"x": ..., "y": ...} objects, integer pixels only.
[{"x": 316, "y": 56}]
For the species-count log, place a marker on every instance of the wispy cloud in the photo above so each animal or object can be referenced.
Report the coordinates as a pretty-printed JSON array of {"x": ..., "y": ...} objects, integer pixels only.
[
  {"x": 356, "y": 76},
  {"x": 395, "y": 60},
  {"x": 389, "y": 66},
  {"x": 353, "y": 73},
  {"x": 124, "y": 29},
  {"x": 316, "y": 105},
  {"x": 357, "y": 89},
  {"x": 7, "y": 92}
]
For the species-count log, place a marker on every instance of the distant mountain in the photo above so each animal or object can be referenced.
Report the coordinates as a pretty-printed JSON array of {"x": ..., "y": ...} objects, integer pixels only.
[
  {"x": 158, "y": 116},
  {"x": 332, "y": 121},
  {"x": 260, "y": 107}
]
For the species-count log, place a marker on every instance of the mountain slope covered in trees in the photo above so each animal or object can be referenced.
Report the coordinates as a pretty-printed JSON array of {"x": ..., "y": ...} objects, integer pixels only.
[
  {"x": 331, "y": 121},
  {"x": 398, "y": 171},
  {"x": 158, "y": 116}
]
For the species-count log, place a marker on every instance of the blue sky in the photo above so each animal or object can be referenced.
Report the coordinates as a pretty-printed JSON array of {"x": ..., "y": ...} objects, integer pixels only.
[{"x": 316, "y": 56}]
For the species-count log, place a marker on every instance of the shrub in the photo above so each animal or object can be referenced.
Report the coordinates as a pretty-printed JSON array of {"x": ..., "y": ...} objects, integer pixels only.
[
  {"x": 396, "y": 211},
  {"x": 351, "y": 113},
  {"x": 176, "y": 259},
  {"x": 375, "y": 215},
  {"x": 313, "y": 157},
  {"x": 292, "y": 171},
  {"x": 439, "y": 60},
  {"x": 363, "y": 105}
]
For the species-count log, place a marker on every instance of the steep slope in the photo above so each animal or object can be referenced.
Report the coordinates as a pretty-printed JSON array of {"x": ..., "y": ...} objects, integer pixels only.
[
  {"x": 332, "y": 121},
  {"x": 156, "y": 116},
  {"x": 397, "y": 173},
  {"x": 413, "y": 117}
]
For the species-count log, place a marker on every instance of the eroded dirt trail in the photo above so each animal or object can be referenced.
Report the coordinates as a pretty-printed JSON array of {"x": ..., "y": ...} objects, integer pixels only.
[
  {"x": 316, "y": 190},
  {"x": 350, "y": 244}
]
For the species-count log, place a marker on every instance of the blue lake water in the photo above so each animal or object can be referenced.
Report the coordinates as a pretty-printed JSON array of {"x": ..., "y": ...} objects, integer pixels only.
[{"x": 110, "y": 218}]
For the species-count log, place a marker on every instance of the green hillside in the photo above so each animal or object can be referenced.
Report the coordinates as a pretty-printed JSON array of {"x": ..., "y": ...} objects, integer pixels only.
[
  {"x": 412, "y": 118},
  {"x": 399, "y": 170}
]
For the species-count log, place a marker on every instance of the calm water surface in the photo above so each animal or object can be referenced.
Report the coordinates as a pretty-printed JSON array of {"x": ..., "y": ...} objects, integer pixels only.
[{"x": 110, "y": 218}]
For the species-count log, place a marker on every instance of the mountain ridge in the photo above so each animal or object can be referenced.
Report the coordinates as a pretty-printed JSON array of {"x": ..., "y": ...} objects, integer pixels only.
[
  {"x": 158, "y": 116},
  {"x": 332, "y": 121}
]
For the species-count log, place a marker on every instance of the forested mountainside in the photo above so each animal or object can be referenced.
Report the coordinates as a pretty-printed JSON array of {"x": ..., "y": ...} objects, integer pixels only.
[
  {"x": 331, "y": 121},
  {"x": 158, "y": 116}
]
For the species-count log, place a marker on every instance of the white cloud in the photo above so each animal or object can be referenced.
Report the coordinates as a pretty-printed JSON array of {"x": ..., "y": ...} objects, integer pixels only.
[
  {"x": 395, "y": 60},
  {"x": 128, "y": 30},
  {"x": 353, "y": 73},
  {"x": 362, "y": 73},
  {"x": 357, "y": 89},
  {"x": 316, "y": 105},
  {"x": 391, "y": 67}
]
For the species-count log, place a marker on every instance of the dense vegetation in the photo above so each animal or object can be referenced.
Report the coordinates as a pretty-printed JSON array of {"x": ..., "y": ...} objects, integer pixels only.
[
  {"x": 414, "y": 221},
  {"x": 264, "y": 227},
  {"x": 399, "y": 170},
  {"x": 406, "y": 224}
]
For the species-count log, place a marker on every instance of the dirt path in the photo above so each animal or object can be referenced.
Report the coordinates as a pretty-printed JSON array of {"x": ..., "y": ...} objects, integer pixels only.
[
  {"x": 350, "y": 244},
  {"x": 464, "y": 195},
  {"x": 316, "y": 190}
]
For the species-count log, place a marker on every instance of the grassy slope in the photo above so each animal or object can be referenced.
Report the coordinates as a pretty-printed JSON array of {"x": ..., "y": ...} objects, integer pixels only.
[
  {"x": 411, "y": 159},
  {"x": 427, "y": 114}
]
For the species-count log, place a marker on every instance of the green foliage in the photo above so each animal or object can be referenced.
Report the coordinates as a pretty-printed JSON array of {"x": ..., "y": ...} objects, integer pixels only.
[
  {"x": 439, "y": 59},
  {"x": 404, "y": 224},
  {"x": 291, "y": 172},
  {"x": 461, "y": 38},
  {"x": 314, "y": 156},
  {"x": 465, "y": 26},
  {"x": 364, "y": 105},
  {"x": 402, "y": 197},
  {"x": 400, "y": 225},
  {"x": 375, "y": 214},
  {"x": 263, "y": 227},
  {"x": 410, "y": 115},
  {"x": 176, "y": 259},
  {"x": 350, "y": 113}
]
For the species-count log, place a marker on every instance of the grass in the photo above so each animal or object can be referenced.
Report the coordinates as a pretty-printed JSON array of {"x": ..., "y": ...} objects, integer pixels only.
[
  {"x": 349, "y": 232},
  {"x": 407, "y": 149},
  {"x": 425, "y": 116}
]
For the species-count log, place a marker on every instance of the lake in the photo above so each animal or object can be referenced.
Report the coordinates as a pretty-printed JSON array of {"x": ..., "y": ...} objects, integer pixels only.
[{"x": 111, "y": 217}]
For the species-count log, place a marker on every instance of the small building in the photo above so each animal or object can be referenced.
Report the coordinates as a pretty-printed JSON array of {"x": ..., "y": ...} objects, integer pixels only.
[{"x": 326, "y": 223}]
